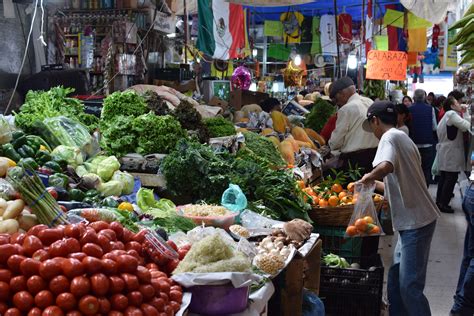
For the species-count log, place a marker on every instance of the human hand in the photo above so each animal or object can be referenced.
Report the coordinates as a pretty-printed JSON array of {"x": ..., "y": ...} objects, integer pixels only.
[{"x": 366, "y": 180}]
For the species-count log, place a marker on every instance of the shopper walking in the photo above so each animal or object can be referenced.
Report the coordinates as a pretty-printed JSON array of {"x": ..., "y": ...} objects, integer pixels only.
[
  {"x": 422, "y": 132},
  {"x": 354, "y": 145},
  {"x": 407, "y": 101},
  {"x": 451, "y": 151},
  {"x": 464, "y": 298},
  {"x": 414, "y": 213},
  {"x": 403, "y": 118}
]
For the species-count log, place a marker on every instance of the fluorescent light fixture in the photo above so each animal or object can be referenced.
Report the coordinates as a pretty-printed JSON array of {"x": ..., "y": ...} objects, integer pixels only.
[
  {"x": 297, "y": 60},
  {"x": 198, "y": 60},
  {"x": 172, "y": 35},
  {"x": 352, "y": 61},
  {"x": 275, "y": 87},
  {"x": 254, "y": 52}
]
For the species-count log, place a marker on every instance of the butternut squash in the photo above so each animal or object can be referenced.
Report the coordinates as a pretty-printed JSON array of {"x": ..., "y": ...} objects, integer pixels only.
[
  {"x": 295, "y": 146},
  {"x": 287, "y": 152},
  {"x": 303, "y": 144},
  {"x": 279, "y": 121},
  {"x": 275, "y": 140},
  {"x": 267, "y": 131},
  {"x": 299, "y": 134},
  {"x": 314, "y": 135}
]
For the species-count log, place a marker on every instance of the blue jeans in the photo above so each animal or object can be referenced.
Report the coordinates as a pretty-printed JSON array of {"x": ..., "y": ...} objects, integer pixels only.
[
  {"x": 407, "y": 275},
  {"x": 464, "y": 299}
]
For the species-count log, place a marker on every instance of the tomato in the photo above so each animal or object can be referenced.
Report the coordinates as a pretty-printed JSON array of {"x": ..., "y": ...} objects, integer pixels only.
[
  {"x": 44, "y": 299},
  {"x": 134, "y": 245},
  {"x": 66, "y": 301},
  {"x": 133, "y": 253},
  {"x": 80, "y": 286},
  {"x": 147, "y": 291},
  {"x": 135, "y": 298},
  {"x": 4, "y": 239},
  {"x": 176, "y": 288},
  {"x": 5, "y": 275},
  {"x": 169, "y": 310},
  {"x": 36, "y": 284},
  {"x": 59, "y": 284},
  {"x": 18, "y": 284},
  {"x": 23, "y": 301},
  {"x": 127, "y": 235},
  {"x": 13, "y": 312},
  {"x": 171, "y": 265},
  {"x": 99, "y": 225},
  {"x": 35, "y": 311},
  {"x": 100, "y": 284},
  {"x": 14, "y": 263},
  {"x": 104, "y": 306},
  {"x": 117, "y": 285},
  {"x": 49, "y": 269},
  {"x": 72, "y": 267},
  {"x": 117, "y": 228},
  {"x": 40, "y": 255},
  {"x": 92, "y": 265},
  {"x": 30, "y": 267},
  {"x": 127, "y": 263},
  {"x": 110, "y": 255},
  {"x": 72, "y": 231},
  {"x": 176, "y": 296},
  {"x": 58, "y": 249},
  {"x": 72, "y": 245},
  {"x": 131, "y": 281},
  {"x": 152, "y": 266},
  {"x": 6, "y": 251},
  {"x": 50, "y": 235},
  {"x": 77, "y": 255},
  {"x": 165, "y": 297},
  {"x": 149, "y": 310},
  {"x": 17, "y": 238},
  {"x": 109, "y": 266},
  {"x": 172, "y": 245},
  {"x": 109, "y": 233},
  {"x": 158, "y": 303},
  {"x": 175, "y": 306},
  {"x": 133, "y": 311},
  {"x": 90, "y": 236},
  {"x": 4, "y": 291},
  {"x": 140, "y": 236},
  {"x": 53, "y": 193},
  {"x": 53, "y": 311},
  {"x": 36, "y": 229},
  {"x": 115, "y": 313},
  {"x": 117, "y": 245},
  {"x": 92, "y": 250},
  {"x": 104, "y": 242},
  {"x": 74, "y": 313},
  {"x": 164, "y": 285},
  {"x": 119, "y": 302},
  {"x": 143, "y": 274}
]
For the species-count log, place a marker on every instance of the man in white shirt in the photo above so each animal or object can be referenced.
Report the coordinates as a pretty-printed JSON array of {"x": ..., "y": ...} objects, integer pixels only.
[
  {"x": 414, "y": 213},
  {"x": 349, "y": 140}
]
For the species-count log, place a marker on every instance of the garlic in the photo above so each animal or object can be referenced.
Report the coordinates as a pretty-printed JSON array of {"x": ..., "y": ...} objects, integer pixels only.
[
  {"x": 279, "y": 245},
  {"x": 285, "y": 252},
  {"x": 275, "y": 252}
]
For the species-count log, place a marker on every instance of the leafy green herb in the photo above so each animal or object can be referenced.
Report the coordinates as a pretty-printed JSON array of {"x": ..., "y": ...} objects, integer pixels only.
[
  {"x": 319, "y": 115},
  {"x": 155, "y": 103},
  {"x": 119, "y": 138},
  {"x": 127, "y": 103},
  {"x": 219, "y": 127},
  {"x": 190, "y": 119},
  {"x": 262, "y": 150}
]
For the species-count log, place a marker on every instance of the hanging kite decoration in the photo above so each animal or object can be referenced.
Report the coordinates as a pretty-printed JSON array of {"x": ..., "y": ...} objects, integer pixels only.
[
  {"x": 294, "y": 76},
  {"x": 241, "y": 78}
]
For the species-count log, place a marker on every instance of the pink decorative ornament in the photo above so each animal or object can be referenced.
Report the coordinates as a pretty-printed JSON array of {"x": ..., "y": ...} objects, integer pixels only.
[{"x": 241, "y": 78}]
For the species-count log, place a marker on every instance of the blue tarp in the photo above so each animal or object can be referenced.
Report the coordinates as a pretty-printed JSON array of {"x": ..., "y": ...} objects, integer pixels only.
[{"x": 318, "y": 8}]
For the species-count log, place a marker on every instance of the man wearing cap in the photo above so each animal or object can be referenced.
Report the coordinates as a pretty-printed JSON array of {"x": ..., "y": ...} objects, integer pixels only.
[
  {"x": 414, "y": 213},
  {"x": 354, "y": 145}
]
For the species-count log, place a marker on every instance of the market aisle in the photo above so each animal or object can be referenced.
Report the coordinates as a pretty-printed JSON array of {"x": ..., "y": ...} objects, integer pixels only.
[{"x": 445, "y": 257}]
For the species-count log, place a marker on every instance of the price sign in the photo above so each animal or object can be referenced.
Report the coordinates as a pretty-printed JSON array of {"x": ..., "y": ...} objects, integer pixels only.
[{"x": 387, "y": 65}]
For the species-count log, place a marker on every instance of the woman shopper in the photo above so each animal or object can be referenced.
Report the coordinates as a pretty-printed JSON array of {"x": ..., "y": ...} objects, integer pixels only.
[
  {"x": 403, "y": 118},
  {"x": 451, "y": 155},
  {"x": 407, "y": 101}
]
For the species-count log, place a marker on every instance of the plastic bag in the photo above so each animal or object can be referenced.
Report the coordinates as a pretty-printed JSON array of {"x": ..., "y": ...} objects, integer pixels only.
[
  {"x": 234, "y": 199},
  {"x": 364, "y": 220},
  {"x": 312, "y": 304},
  {"x": 5, "y": 131},
  {"x": 434, "y": 168},
  {"x": 7, "y": 191},
  {"x": 251, "y": 219}
]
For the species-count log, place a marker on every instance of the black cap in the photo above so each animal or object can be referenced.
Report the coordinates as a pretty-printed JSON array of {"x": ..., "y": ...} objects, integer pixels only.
[
  {"x": 384, "y": 110},
  {"x": 339, "y": 85}
]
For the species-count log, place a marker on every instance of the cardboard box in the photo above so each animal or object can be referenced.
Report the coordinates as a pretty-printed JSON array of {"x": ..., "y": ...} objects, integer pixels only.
[{"x": 239, "y": 98}]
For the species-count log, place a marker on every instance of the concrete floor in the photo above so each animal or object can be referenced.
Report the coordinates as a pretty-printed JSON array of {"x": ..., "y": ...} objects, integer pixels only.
[{"x": 445, "y": 257}]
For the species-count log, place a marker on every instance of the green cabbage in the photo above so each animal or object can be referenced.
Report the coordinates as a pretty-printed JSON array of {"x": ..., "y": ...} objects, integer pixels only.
[
  {"x": 72, "y": 155},
  {"x": 107, "y": 167},
  {"x": 127, "y": 180},
  {"x": 110, "y": 188}
]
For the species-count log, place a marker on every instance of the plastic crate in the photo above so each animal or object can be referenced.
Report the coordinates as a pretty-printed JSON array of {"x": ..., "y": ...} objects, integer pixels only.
[
  {"x": 335, "y": 242},
  {"x": 353, "y": 292}
]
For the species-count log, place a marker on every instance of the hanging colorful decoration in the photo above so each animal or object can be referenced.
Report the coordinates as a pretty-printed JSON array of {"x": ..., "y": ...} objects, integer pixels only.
[
  {"x": 344, "y": 25},
  {"x": 241, "y": 78},
  {"x": 293, "y": 75}
]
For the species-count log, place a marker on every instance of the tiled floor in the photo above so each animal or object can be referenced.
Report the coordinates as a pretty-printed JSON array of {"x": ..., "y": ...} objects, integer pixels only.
[{"x": 445, "y": 257}]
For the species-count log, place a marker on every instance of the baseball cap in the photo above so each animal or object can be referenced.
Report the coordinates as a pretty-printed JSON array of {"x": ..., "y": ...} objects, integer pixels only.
[
  {"x": 339, "y": 85},
  {"x": 381, "y": 109}
]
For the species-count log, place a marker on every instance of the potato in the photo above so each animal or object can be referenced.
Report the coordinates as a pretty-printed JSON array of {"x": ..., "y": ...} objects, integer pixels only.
[
  {"x": 3, "y": 206},
  {"x": 14, "y": 209},
  {"x": 9, "y": 226},
  {"x": 27, "y": 221}
]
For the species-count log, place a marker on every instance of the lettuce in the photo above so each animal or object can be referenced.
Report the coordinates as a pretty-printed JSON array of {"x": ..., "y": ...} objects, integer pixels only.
[
  {"x": 107, "y": 167},
  {"x": 127, "y": 180}
]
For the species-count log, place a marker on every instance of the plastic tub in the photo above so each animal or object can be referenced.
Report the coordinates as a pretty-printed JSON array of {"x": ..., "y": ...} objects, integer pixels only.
[
  {"x": 223, "y": 222},
  {"x": 218, "y": 299}
]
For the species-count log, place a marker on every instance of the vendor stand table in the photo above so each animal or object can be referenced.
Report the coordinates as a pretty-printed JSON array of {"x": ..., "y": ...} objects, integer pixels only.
[{"x": 301, "y": 272}]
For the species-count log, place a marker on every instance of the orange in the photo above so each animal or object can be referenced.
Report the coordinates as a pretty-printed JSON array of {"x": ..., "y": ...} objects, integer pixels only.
[
  {"x": 315, "y": 199},
  {"x": 301, "y": 184},
  {"x": 377, "y": 198},
  {"x": 361, "y": 225},
  {"x": 333, "y": 201},
  {"x": 309, "y": 191},
  {"x": 351, "y": 231},
  {"x": 342, "y": 194},
  {"x": 323, "y": 203},
  {"x": 346, "y": 200},
  {"x": 336, "y": 187},
  {"x": 350, "y": 187},
  {"x": 369, "y": 219},
  {"x": 375, "y": 230}
]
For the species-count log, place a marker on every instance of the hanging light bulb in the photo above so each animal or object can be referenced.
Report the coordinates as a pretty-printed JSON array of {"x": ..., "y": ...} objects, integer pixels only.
[
  {"x": 254, "y": 52},
  {"x": 297, "y": 60},
  {"x": 275, "y": 87},
  {"x": 352, "y": 61}
]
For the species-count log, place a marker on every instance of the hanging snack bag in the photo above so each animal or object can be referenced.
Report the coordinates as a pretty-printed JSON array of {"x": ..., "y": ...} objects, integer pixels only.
[{"x": 364, "y": 221}]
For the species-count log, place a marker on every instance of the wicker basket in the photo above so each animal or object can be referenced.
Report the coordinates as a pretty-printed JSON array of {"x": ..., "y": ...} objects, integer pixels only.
[
  {"x": 335, "y": 216},
  {"x": 331, "y": 216}
]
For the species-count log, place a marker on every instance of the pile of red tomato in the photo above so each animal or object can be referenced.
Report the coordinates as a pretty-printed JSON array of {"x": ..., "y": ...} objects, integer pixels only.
[{"x": 78, "y": 269}]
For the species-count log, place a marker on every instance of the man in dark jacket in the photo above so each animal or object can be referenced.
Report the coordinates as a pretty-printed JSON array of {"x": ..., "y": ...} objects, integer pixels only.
[{"x": 422, "y": 133}]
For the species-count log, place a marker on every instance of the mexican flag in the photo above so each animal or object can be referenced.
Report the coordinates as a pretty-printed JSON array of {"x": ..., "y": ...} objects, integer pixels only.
[{"x": 221, "y": 29}]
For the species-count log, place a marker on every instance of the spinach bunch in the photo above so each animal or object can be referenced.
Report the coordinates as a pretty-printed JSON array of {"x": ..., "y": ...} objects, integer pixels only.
[
  {"x": 319, "y": 115},
  {"x": 127, "y": 103},
  {"x": 219, "y": 127}
]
